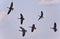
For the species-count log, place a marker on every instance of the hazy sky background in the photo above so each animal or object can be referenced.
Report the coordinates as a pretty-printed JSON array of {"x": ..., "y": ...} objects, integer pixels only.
[{"x": 9, "y": 24}]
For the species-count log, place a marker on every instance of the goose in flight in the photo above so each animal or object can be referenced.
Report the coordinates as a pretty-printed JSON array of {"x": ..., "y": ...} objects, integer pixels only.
[
  {"x": 10, "y": 8},
  {"x": 21, "y": 18},
  {"x": 23, "y": 31},
  {"x": 55, "y": 27},
  {"x": 33, "y": 27},
  {"x": 41, "y": 15}
]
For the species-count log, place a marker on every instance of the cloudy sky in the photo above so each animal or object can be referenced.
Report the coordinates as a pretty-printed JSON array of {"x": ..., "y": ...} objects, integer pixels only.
[{"x": 9, "y": 24}]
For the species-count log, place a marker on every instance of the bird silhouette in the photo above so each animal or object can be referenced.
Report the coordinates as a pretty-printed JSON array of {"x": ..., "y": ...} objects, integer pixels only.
[
  {"x": 23, "y": 31},
  {"x": 21, "y": 18},
  {"x": 41, "y": 15},
  {"x": 54, "y": 28},
  {"x": 10, "y": 8},
  {"x": 33, "y": 27}
]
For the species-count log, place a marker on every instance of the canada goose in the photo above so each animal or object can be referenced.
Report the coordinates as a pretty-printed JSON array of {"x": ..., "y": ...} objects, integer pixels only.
[
  {"x": 33, "y": 27},
  {"x": 23, "y": 31},
  {"x": 54, "y": 28},
  {"x": 21, "y": 18},
  {"x": 10, "y": 8},
  {"x": 41, "y": 15}
]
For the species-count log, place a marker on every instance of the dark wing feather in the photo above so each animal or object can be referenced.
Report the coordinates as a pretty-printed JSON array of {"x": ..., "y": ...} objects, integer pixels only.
[
  {"x": 32, "y": 30},
  {"x": 55, "y": 25},
  {"x": 41, "y": 13},
  {"x": 11, "y": 5},
  {"x": 39, "y": 18},
  {"x": 22, "y": 28},
  {"x": 9, "y": 11},
  {"x": 23, "y": 33},
  {"x": 21, "y": 18},
  {"x": 55, "y": 30},
  {"x": 21, "y": 15},
  {"x": 21, "y": 21}
]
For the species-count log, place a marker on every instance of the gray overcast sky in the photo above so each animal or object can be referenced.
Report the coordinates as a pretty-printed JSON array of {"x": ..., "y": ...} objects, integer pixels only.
[{"x": 9, "y": 24}]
